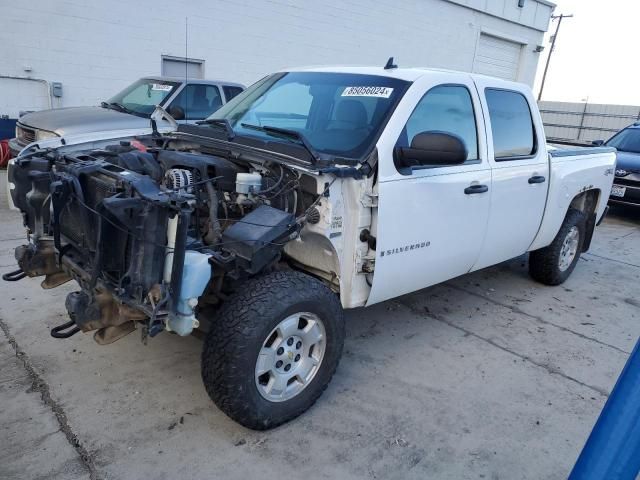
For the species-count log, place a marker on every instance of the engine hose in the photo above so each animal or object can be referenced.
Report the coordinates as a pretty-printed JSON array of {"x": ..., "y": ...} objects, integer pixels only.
[
  {"x": 275, "y": 185},
  {"x": 215, "y": 230}
]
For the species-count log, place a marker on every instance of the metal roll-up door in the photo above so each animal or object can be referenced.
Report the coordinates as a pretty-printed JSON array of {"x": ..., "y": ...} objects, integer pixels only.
[{"x": 497, "y": 57}]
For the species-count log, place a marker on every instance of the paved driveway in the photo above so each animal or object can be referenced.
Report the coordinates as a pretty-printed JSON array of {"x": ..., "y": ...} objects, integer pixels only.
[{"x": 487, "y": 376}]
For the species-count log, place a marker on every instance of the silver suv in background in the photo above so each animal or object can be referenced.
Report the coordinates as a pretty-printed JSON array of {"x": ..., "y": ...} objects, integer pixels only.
[{"x": 186, "y": 100}]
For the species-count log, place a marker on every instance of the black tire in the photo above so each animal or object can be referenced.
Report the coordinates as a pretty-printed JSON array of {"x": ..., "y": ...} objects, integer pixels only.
[
  {"x": 544, "y": 264},
  {"x": 237, "y": 335}
]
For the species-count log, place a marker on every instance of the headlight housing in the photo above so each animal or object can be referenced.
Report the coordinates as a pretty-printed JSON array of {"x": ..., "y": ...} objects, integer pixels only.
[{"x": 45, "y": 135}]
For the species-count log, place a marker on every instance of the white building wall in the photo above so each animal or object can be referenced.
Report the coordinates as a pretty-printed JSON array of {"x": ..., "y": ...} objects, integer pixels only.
[{"x": 95, "y": 48}]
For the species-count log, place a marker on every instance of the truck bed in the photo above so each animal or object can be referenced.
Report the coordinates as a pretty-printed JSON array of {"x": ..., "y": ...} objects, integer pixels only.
[
  {"x": 575, "y": 150},
  {"x": 574, "y": 170}
]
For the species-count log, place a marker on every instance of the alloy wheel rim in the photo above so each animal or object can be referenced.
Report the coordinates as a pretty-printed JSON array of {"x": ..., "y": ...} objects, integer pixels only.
[
  {"x": 569, "y": 249},
  {"x": 290, "y": 357}
]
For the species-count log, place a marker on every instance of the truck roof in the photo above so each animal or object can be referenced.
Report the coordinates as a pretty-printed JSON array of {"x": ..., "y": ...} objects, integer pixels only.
[
  {"x": 409, "y": 74},
  {"x": 192, "y": 80}
]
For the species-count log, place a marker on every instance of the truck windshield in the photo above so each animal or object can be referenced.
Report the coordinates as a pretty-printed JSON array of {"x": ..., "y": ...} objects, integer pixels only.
[
  {"x": 340, "y": 114},
  {"x": 628, "y": 140},
  {"x": 141, "y": 97}
]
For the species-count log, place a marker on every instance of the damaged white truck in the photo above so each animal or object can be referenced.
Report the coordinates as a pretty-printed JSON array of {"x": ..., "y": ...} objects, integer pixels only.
[{"x": 313, "y": 191}]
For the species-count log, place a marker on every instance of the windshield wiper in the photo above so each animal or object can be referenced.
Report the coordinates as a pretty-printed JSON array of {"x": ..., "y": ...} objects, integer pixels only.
[
  {"x": 290, "y": 134},
  {"x": 219, "y": 122},
  {"x": 116, "y": 106}
]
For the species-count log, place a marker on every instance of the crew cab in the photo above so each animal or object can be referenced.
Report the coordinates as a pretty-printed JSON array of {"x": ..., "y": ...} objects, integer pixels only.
[
  {"x": 313, "y": 191},
  {"x": 126, "y": 113}
]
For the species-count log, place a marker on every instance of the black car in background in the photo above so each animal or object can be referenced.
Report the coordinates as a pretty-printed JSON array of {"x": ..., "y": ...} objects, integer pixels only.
[{"x": 626, "y": 186}]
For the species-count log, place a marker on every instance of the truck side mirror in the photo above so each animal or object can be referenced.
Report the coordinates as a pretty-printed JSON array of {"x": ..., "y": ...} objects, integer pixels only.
[
  {"x": 598, "y": 143},
  {"x": 432, "y": 149},
  {"x": 176, "y": 111}
]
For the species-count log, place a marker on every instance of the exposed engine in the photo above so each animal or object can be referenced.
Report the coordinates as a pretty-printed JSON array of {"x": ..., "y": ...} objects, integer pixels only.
[{"x": 152, "y": 234}]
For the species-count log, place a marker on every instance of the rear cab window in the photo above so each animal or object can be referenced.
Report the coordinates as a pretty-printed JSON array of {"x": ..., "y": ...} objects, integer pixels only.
[{"x": 514, "y": 135}]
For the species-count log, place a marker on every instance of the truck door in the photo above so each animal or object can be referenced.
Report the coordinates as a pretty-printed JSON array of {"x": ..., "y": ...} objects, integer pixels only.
[
  {"x": 431, "y": 219},
  {"x": 520, "y": 172}
]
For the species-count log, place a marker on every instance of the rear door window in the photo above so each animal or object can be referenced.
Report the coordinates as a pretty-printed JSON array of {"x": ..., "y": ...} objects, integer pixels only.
[{"x": 511, "y": 125}]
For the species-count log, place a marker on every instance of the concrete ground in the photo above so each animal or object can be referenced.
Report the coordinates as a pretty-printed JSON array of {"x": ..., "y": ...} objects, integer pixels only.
[{"x": 487, "y": 376}]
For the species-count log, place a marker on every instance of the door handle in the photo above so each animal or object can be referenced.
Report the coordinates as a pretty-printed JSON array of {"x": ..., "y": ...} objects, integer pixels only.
[
  {"x": 537, "y": 179},
  {"x": 473, "y": 189}
]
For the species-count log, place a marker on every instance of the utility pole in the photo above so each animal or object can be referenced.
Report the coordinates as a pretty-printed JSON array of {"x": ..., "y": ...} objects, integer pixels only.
[
  {"x": 553, "y": 46},
  {"x": 584, "y": 114}
]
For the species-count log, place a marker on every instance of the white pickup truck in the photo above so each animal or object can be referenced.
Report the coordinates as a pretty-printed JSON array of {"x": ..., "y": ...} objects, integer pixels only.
[{"x": 314, "y": 191}]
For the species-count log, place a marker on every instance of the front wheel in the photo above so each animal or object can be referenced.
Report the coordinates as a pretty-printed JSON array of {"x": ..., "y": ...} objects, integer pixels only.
[
  {"x": 552, "y": 265},
  {"x": 273, "y": 349}
]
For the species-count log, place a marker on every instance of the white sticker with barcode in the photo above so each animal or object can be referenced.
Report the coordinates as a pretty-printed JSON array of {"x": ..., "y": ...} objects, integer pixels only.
[
  {"x": 380, "y": 92},
  {"x": 160, "y": 87}
]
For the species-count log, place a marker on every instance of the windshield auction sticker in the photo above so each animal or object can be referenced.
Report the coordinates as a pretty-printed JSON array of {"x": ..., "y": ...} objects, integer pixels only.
[
  {"x": 160, "y": 87},
  {"x": 380, "y": 92}
]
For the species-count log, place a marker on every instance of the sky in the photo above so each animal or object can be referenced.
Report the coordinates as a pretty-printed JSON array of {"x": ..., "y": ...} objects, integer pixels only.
[{"x": 597, "y": 54}]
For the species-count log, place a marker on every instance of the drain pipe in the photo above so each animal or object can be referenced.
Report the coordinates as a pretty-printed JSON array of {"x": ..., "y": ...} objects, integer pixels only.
[{"x": 31, "y": 79}]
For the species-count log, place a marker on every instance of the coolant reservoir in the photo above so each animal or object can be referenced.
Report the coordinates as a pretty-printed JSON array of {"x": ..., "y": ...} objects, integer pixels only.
[
  {"x": 248, "y": 183},
  {"x": 195, "y": 277}
]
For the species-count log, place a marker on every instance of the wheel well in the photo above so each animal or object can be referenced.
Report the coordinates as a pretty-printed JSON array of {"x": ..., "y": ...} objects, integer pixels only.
[
  {"x": 316, "y": 254},
  {"x": 587, "y": 203}
]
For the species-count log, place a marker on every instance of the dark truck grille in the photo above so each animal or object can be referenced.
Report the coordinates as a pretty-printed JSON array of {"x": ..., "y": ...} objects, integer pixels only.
[
  {"x": 25, "y": 135},
  {"x": 632, "y": 180}
]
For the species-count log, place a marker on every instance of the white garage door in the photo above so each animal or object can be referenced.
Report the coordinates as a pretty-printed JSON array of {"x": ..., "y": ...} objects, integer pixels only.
[
  {"x": 497, "y": 57},
  {"x": 179, "y": 67}
]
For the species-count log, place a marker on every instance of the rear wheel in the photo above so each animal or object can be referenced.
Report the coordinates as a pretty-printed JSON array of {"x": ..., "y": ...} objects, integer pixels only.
[
  {"x": 552, "y": 265},
  {"x": 273, "y": 349}
]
